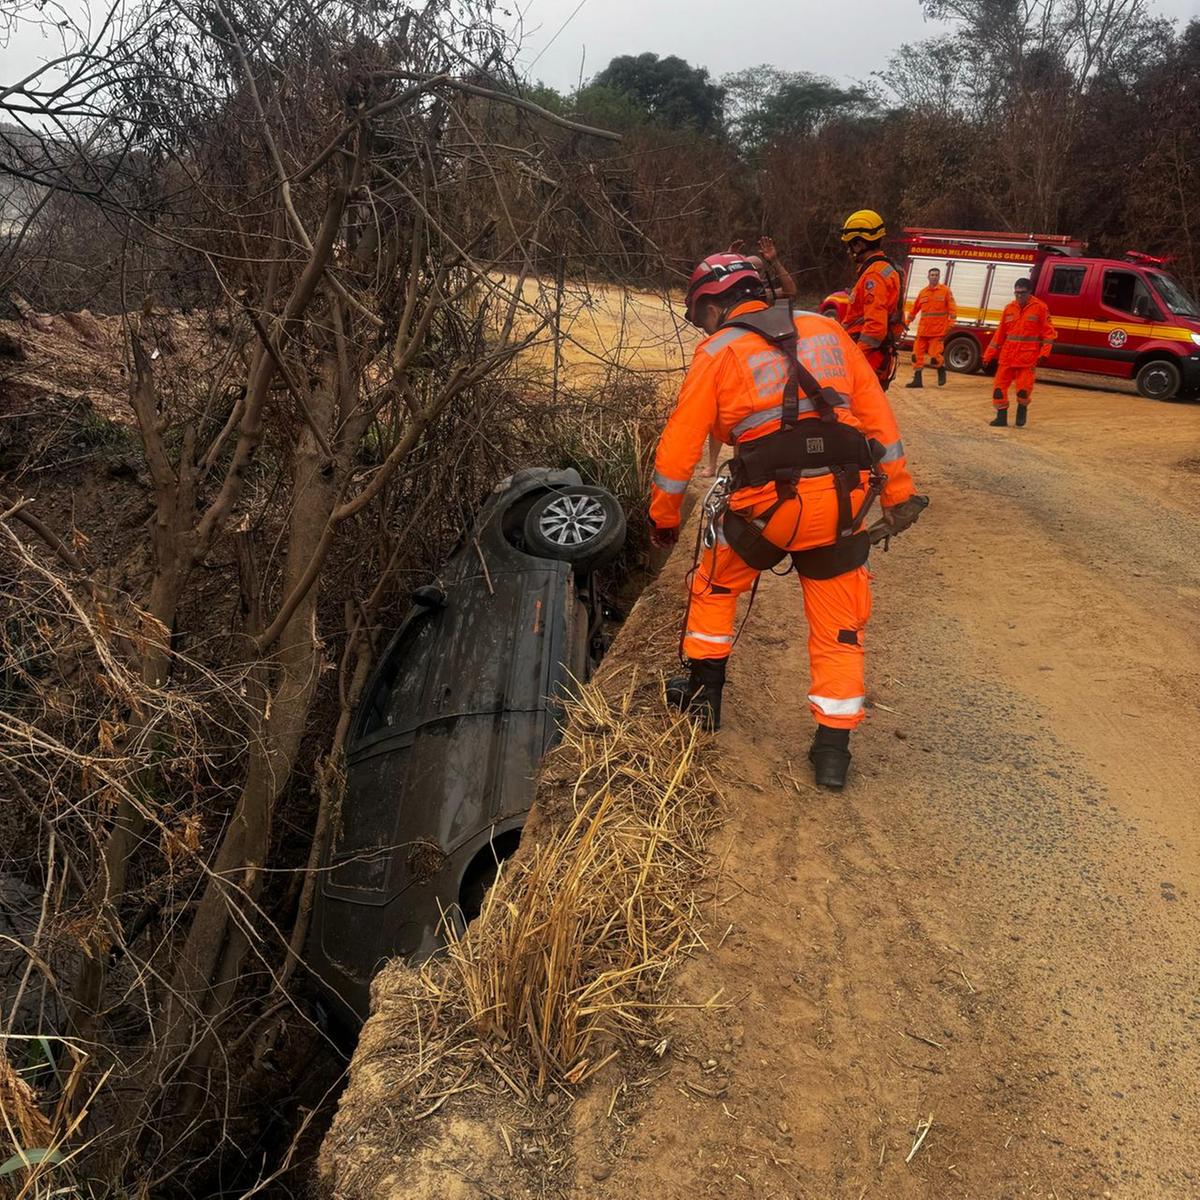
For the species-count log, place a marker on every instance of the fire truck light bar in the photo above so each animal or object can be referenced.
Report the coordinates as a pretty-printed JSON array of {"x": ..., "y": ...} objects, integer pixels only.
[{"x": 917, "y": 233}]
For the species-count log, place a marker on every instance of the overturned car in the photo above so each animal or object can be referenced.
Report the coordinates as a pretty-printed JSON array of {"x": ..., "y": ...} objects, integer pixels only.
[{"x": 462, "y": 706}]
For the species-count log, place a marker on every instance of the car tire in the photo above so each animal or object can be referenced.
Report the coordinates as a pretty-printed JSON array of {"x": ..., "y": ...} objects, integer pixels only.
[
  {"x": 1159, "y": 379},
  {"x": 963, "y": 355},
  {"x": 581, "y": 525}
]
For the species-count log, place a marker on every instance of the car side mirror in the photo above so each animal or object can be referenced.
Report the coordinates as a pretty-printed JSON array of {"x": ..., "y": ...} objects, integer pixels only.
[{"x": 429, "y": 596}]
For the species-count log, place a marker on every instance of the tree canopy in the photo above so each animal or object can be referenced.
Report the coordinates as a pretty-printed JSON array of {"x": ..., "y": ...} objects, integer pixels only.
[{"x": 668, "y": 91}]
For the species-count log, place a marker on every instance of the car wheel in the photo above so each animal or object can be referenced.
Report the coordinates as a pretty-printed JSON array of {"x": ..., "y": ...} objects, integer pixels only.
[
  {"x": 962, "y": 354},
  {"x": 581, "y": 525},
  {"x": 1159, "y": 379}
]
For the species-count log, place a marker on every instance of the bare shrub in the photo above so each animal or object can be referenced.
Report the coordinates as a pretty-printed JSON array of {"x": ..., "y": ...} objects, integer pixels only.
[{"x": 365, "y": 367}]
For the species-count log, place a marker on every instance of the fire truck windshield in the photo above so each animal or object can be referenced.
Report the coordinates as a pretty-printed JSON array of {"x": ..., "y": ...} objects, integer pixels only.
[{"x": 1175, "y": 298}]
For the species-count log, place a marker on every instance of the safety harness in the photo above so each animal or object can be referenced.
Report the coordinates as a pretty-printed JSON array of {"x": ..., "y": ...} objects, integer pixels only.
[
  {"x": 801, "y": 449},
  {"x": 798, "y": 449}
]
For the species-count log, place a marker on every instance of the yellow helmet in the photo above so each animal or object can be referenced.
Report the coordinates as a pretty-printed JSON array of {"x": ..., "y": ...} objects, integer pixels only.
[{"x": 866, "y": 224}]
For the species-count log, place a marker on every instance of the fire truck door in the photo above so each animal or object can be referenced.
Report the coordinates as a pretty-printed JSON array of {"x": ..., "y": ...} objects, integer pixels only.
[
  {"x": 1123, "y": 320},
  {"x": 1068, "y": 291}
]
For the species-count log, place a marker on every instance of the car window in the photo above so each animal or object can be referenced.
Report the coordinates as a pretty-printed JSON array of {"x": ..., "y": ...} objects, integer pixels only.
[
  {"x": 400, "y": 675},
  {"x": 1067, "y": 281},
  {"x": 1128, "y": 293}
]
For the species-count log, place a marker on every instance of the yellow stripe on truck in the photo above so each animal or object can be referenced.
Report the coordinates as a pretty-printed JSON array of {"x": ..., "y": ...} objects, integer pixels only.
[{"x": 1166, "y": 333}]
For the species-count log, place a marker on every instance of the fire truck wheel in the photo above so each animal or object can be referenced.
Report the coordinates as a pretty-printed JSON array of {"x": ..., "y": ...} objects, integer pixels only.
[
  {"x": 963, "y": 354},
  {"x": 1159, "y": 379}
]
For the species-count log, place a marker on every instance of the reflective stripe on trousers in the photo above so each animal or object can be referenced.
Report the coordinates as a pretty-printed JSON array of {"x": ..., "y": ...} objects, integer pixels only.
[
  {"x": 715, "y": 639},
  {"x": 832, "y": 707}
]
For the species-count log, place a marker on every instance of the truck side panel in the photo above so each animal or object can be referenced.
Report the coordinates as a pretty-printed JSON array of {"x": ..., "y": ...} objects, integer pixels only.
[{"x": 968, "y": 281}]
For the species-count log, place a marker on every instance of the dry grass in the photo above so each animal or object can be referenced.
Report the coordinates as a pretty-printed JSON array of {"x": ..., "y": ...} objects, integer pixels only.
[
  {"x": 610, "y": 327},
  {"x": 570, "y": 948},
  {"x": 20, "y": 1111},
  {"x": 38, "y": 1153},
  {"x": 567, "y": 963}
]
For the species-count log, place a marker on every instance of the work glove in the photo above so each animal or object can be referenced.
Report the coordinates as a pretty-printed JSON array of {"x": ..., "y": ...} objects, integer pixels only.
[
  {"x": 898, "y": 517},
  {"x": 663, "y": 538}
]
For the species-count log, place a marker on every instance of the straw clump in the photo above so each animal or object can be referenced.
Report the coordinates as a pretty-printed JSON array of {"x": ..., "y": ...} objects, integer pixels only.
[
  {"x": 23, "y": 1120},
  {"x": 565, "y": 967}
]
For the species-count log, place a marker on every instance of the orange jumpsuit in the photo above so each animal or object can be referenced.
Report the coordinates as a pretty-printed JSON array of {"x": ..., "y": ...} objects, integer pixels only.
[
  {"x": 938, "y": 312},
  {"x": 874, "y": 316},
  {"x": 1024, "y": 336},
  {"x": 735, "y": 390}
]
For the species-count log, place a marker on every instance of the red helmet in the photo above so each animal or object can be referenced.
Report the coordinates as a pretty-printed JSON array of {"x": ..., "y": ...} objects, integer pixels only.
[{"x": 716, "y": 274}]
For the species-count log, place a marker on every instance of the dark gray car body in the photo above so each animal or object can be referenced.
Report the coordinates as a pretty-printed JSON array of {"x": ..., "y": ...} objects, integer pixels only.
[{"x": 444, "y": 752}]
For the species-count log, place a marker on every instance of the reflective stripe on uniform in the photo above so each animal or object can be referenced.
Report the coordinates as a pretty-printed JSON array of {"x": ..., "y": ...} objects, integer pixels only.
[
  {"x": 717, "y": 639},
  {"x": 720, "y": 340},
  {"x": 1013, "y": 337},
  {"x": 838, "y": 708},
  {"x": 871, "y": 343},
  {"x": 765, "y": 415},
  {"x": 665, "y": 483},
  {"x": 892, "y": 452}
]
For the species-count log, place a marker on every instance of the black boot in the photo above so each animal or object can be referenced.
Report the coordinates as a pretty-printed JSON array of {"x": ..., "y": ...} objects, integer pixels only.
[
  {"x": 699, "y": 691},
  {"x": 1001, "y": 417},
  {"x": 1022, "y": 408},
  {"x": 941, "y": 376},
  {"x": 830, "y": 757},
  {"x": 916, "y": 379}
]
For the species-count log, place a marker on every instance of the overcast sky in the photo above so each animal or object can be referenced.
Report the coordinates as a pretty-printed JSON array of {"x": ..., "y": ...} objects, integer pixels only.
[
  {"x": 843, "y": 39},
  {"x": 846, "y": 39}
]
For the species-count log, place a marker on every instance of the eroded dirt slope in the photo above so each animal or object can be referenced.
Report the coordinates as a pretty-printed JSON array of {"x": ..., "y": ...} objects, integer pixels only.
[{"x": 996, "y": 925}]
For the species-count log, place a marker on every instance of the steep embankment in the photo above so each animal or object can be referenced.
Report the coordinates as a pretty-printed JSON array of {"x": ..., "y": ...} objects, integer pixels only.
[{"x": 993, "y": 928}]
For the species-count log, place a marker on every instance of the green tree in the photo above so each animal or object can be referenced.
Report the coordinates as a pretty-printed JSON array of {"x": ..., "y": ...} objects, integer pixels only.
[
  {"x": 669, "y": 91},
  {"x": 764, "y": 103}
]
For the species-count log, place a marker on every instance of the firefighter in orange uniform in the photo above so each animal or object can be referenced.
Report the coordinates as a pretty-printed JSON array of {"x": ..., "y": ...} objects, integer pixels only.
[
  {"x": 875, "y": 315},
  {"x": 1025, "y": 336},
  {"x": 813, "y": 438},
  {"x": 935, "y": 304}
]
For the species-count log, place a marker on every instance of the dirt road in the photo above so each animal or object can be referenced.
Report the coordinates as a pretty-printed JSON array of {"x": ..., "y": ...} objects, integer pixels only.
[{"x": 995, "y": 927}]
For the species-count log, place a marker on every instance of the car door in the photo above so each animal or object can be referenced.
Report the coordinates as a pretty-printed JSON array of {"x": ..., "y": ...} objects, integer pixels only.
[
  {"x": 1064, "y": 286},
  {"x": 1123, "y": 321}
]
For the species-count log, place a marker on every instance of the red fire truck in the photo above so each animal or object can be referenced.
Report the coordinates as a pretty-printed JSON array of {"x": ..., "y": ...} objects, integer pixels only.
[{"x": 1126, "y": 317}]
